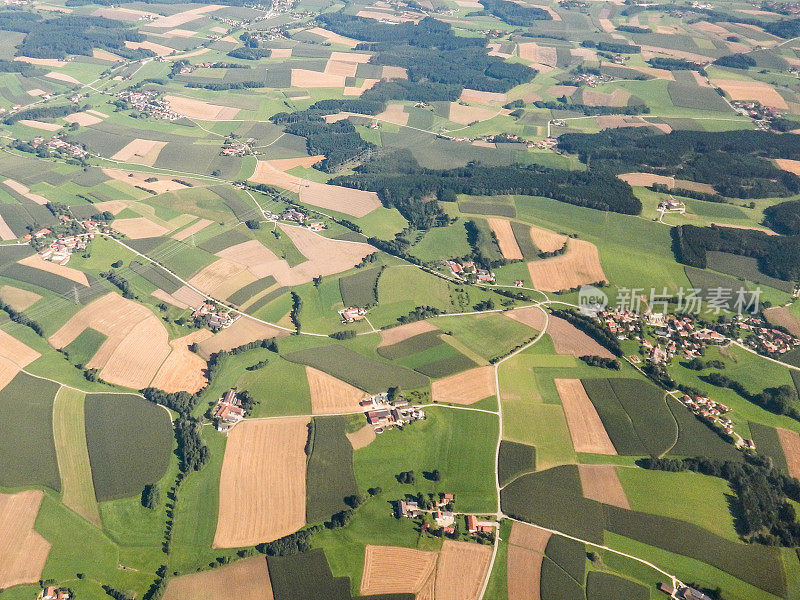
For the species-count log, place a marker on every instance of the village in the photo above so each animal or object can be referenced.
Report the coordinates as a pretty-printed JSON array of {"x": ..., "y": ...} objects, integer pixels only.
[{"x": 148, "y": 102}]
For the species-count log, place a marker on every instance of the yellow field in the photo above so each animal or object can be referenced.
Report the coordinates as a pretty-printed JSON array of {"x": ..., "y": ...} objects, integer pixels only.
[{"x": 69, "y": 433}]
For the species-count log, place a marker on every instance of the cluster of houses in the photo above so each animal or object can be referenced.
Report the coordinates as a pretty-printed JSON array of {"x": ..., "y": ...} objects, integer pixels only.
[
  {"x": 383, "y": 414},
  {"x": 215, "y": 319},
  {"x": 671, "y": 205},
  {"x": 228, "y": 411},
  {"x": 765, "y": 339},
  {"x": 60, "y": 251},
  {"x": 443, "y": 516},
  {"x": 762, "y": 115},
  {"x": 148, "y": 102},
  {"x": 352, "y": 314},
  {"x": 591, "y": 79},
  {"x": 467, "y": 269},
  {"x": 547, "y": 143},
  {"x": 51, "y": 592},
  {"x": 233, "y": 147},
  {"x": 713, "y": 413},
  {"x": 186, "y": 68},
  {"x": 58, "y": 145}
]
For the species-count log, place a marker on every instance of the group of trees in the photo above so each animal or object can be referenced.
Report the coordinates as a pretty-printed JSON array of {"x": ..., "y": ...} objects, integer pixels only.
[
  {"x": 761, "y": 494},
  {"x": 777, "y": 256},
  {"x": 192, "y": 450},
  {"x": 784, "y": 217},
  {"x": 297, "y": 306},
  {"x": 735, "y": 163},
  {"x": 120, "y": 282},
  {"x": 420, "y": 313},
  {"x": 44, "y": 112},
  {"x": 562, "y": 104},
  {"x": 515, "y": 14},
  {"x": 736, "y": 61},
  {"x": 600, "y": 361}
]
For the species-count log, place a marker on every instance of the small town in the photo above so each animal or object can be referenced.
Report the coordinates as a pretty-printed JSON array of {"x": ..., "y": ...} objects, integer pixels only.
[
  {"x": 56, "y": 144},
  {"x": 148, "y": 102}
]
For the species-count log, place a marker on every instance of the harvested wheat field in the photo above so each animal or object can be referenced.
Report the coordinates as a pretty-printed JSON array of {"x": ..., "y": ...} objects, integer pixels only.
[
  {"x": 793, "y": 166},
  {"x": 16, "y": 353},
  {"x": 395, "y": 335},
  {"x": 523, "y": 573},
  {"x": 184, "y": 17},
  {"x": 243, "y": 331},
  {"x": 395, "y": 570},
  {"x": 481, "y": 97},
  {"x": 137, "y": 228},
  {"x": 36, "y": 262},
  {"x": 646, "y": 179},
  {"x": 24, "y": 190},
  {"x": 262, "y": 492},
  {"x": 578, "y": 266},
  {"x": 790, "y": 442},
  {"x": 601, "y": 483},
  {"x": 280, "y": 53},
  {"x": 41, "y": 62},
  {"x": 254, "y": 256},
  {"x": 618, "y": 97},
  {"x": 188, "y": 296},
  {"x": 8, "y": 370},
  {"x": 6, "y": 233},
  {"x": 36, "y": 92},
  {"x": 17, "y": 298},
  {"x": 246, "y": 579},
  {"x": 159, "y": 49},
  {"x": 191, "y": 230},
  {"x": 113, "y": 206},
  {"x": 163, "y": 185},
  {"x": 183, "y": 371},
  {"x": 568, "y": 340},
  {"x": 529, "y": 537},
  {"x": 649, "y": 52},
  {"x": 392, "y": 72},
  {"x": 357, "y": 203},
  {"x": 532, "y": 316},
  {"x": 325, "y": 256},
  {"x": 585, "y": 427},
  {"x": 361, "y": 438},
  {"x": 62, "y": 77},
  {"x": 139, "y": 151},
  {"x": 284, "y": 164},
  {"x": 777, "y": 315},
  {"x": 332, "y": 395},
  {"x": 367, "y": 84},
  {"x": 304, "y": 78},
  {"x": 84, "y": 119},
  {"x": 351, "y": 57},
  {"x": 544, "y": 57},
  {"x": 333, "y": 38},
  {"x": 467, "y": 387},
  {"x": 546, "y": 240},
  {"x": 122, "y": 14},
  {"x": 169, "y": 299},
  {"x": 461, "y": 570},
  {"x": 465, "y": 114},
  {"x": 214, "y": 275},
  {"x": 751, "y": 90},
  {"x": 40, "y": 124},
  {"x": 340, "y": 67},
  {"x": 23, "y": 551},
  {"x": 136, "y": 340},
  {"x": 198, "y": 109},
  {"x": 505, "y": 238},
  {"x": 394, "y": 113}
]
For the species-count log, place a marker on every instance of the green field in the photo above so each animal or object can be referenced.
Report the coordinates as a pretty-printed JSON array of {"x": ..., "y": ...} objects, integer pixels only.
[
  {"x": 600, "y": 586},
  {"x": 329, "y": 474},
  {"x": 124, "y": 458},
  {"x": 360, "y": 289},
  {"x": 514, "y": 460},
  {"x": 85, "y": 346}
]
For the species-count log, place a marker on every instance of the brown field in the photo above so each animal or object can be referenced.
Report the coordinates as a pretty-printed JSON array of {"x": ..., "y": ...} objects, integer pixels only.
[
  {"x": 532, "y": 316},
  {"x": 83, "y": 119},
  {"x": 751, "y": 90},
  {"x": 707, "y": 27},
  {"x": 529, "y": 537},
  {"x": 790, "y": 442},
  {"x": 159, "y": 49},
  {"x": 523, "y": 573},
  {"x": 465, "y": 114},
  {"x": 17, "y": 298},
  {"x": 468, "y": 4},
  {"x": 121, "y": 14},
  {"x": 394, "y": 113},
  {"x": 138, "y": 227},
  {"x": 136, "y": 343},
  {"x": 280, "y": 53},
  {"x": 325, "y": 256},
  {"x": 331, "y": 395},
  {"x": 304, "y": 78},
  {"x": 284, "y": 164},
  {"x": 113, "y": 206},
  {"x": 600, "y": 483},
  {"x": 585, "y": 427},
  {"x": 139, "y": 151},
  {"x": 234, "y": 284},
  {"x": 8, "y": 371},
  {"x": 361, "y": 438},
  {"x": 41, "y": 62},
  {"x": 468, "y": 95},
  {"x": 569, "y": 340},
  {"x": 23, "y": 551},
  {"x": 180, "y": 33},
  {"x": 246, "y": 579},
  {"x": 505, "y": 238},
  {"x": 214, "y": 275},
  {"x": 168, "y": 298},
  {"x": 183, "y": 370},
  {"x": 541, "y": 55},
  {"x": 701, "y": 81},
  {"x": 36, "y": 92},
  {"x": 252, "y": 255},
  {"x": 333, "y": 38},
  {"x": 367, "y": 84},
  {"x": 395, "y": 570},
  {"x": 262, "y": 492},
  {"x": 546, "y": 240},
  {"x": 198, "y": 52},
  {"x": 24, "y": 190},
  {"x": 467, "y": 387},
  {"x": 695, "y": 186},
  {"x": 559, "y": 90},
  {"x": 461, "y": 570},
  {"x": 395, "y": 335},
  {"x": 484, "y": 144},
  {"x": 40, "y": 125},
  {"x": 553, "y": 14},
  {"x": 163, "y": 185},
  {"x": 391, "y": 72},
  {"x": 584, "y": 53},
  {"x": 35, "y": 261},
  {"x": 188, "y": 296},
  {"x": 198, "y": 109},
  {"x": 618, "y": 97},
  {"x": 351, "y": 57},
  {"x": 647, "y": 179},
  {"x": 342, "y": 68},
  {"x": 184, "y": 17},
  {"x": 649, "y": 52},
  {"x": 191, "y": 230},
  {"x": 777, "y": 315},
  {"x": 357, "y": 203},
  {"x": 243, "y": 331},
  {"x": 15, "y": 351},
  {"x": 578, "y": 266},
  {"x": 380, "y": 16},
  {"x": 793, "y": 166}
]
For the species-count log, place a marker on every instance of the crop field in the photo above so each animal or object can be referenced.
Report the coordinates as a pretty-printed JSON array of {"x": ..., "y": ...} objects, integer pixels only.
[
  {"x": 557, "y": 584},
  {"x": 585, "y": 426},
  {"x": 27, "y": 450},
  {"x": 430, "y": 338},
  {"x": 465, "y": 388},
  {"x": 568, "y": 554},
  {"x": 360, "y": 289},
  {"x": 23, "y": 551},
  {"x": 306, "y": 576},
  {"x": 244, "y": 580},
  {"x": 329, "y": 474},
  {"x": 365, "y": 373},
  {"x": 605, "y": 585},
  {"x": 489, "y": 335},
  {"x": 768, "y": 443},
  {"x": 69, "y": 433},
  {"x": 390, "y": 569},
  {"x": 461, "y": 570},
  {"x": 790, "y": 442},
  {"x": 85, "y": 346},
  {"x": 746, "y": 268},
  {"x": 696, "y": 439},
  {"x": 514, "y": 460},
  {"x": 601, "y": 483},
  {"x": 123, "y": 458}
]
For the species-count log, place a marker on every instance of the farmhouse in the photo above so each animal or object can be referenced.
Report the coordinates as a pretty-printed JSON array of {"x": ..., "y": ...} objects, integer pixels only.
[
  {"x": 215, "y": 319},
  {"x": 671, "y": 205},
  {"x": 351, "y": 314},
  {"x": 228, "y": 411},
  {"x": 54, "y": 593},
  {"x": 382, "y": 414},
  {"x": 408, "y": 508}
]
